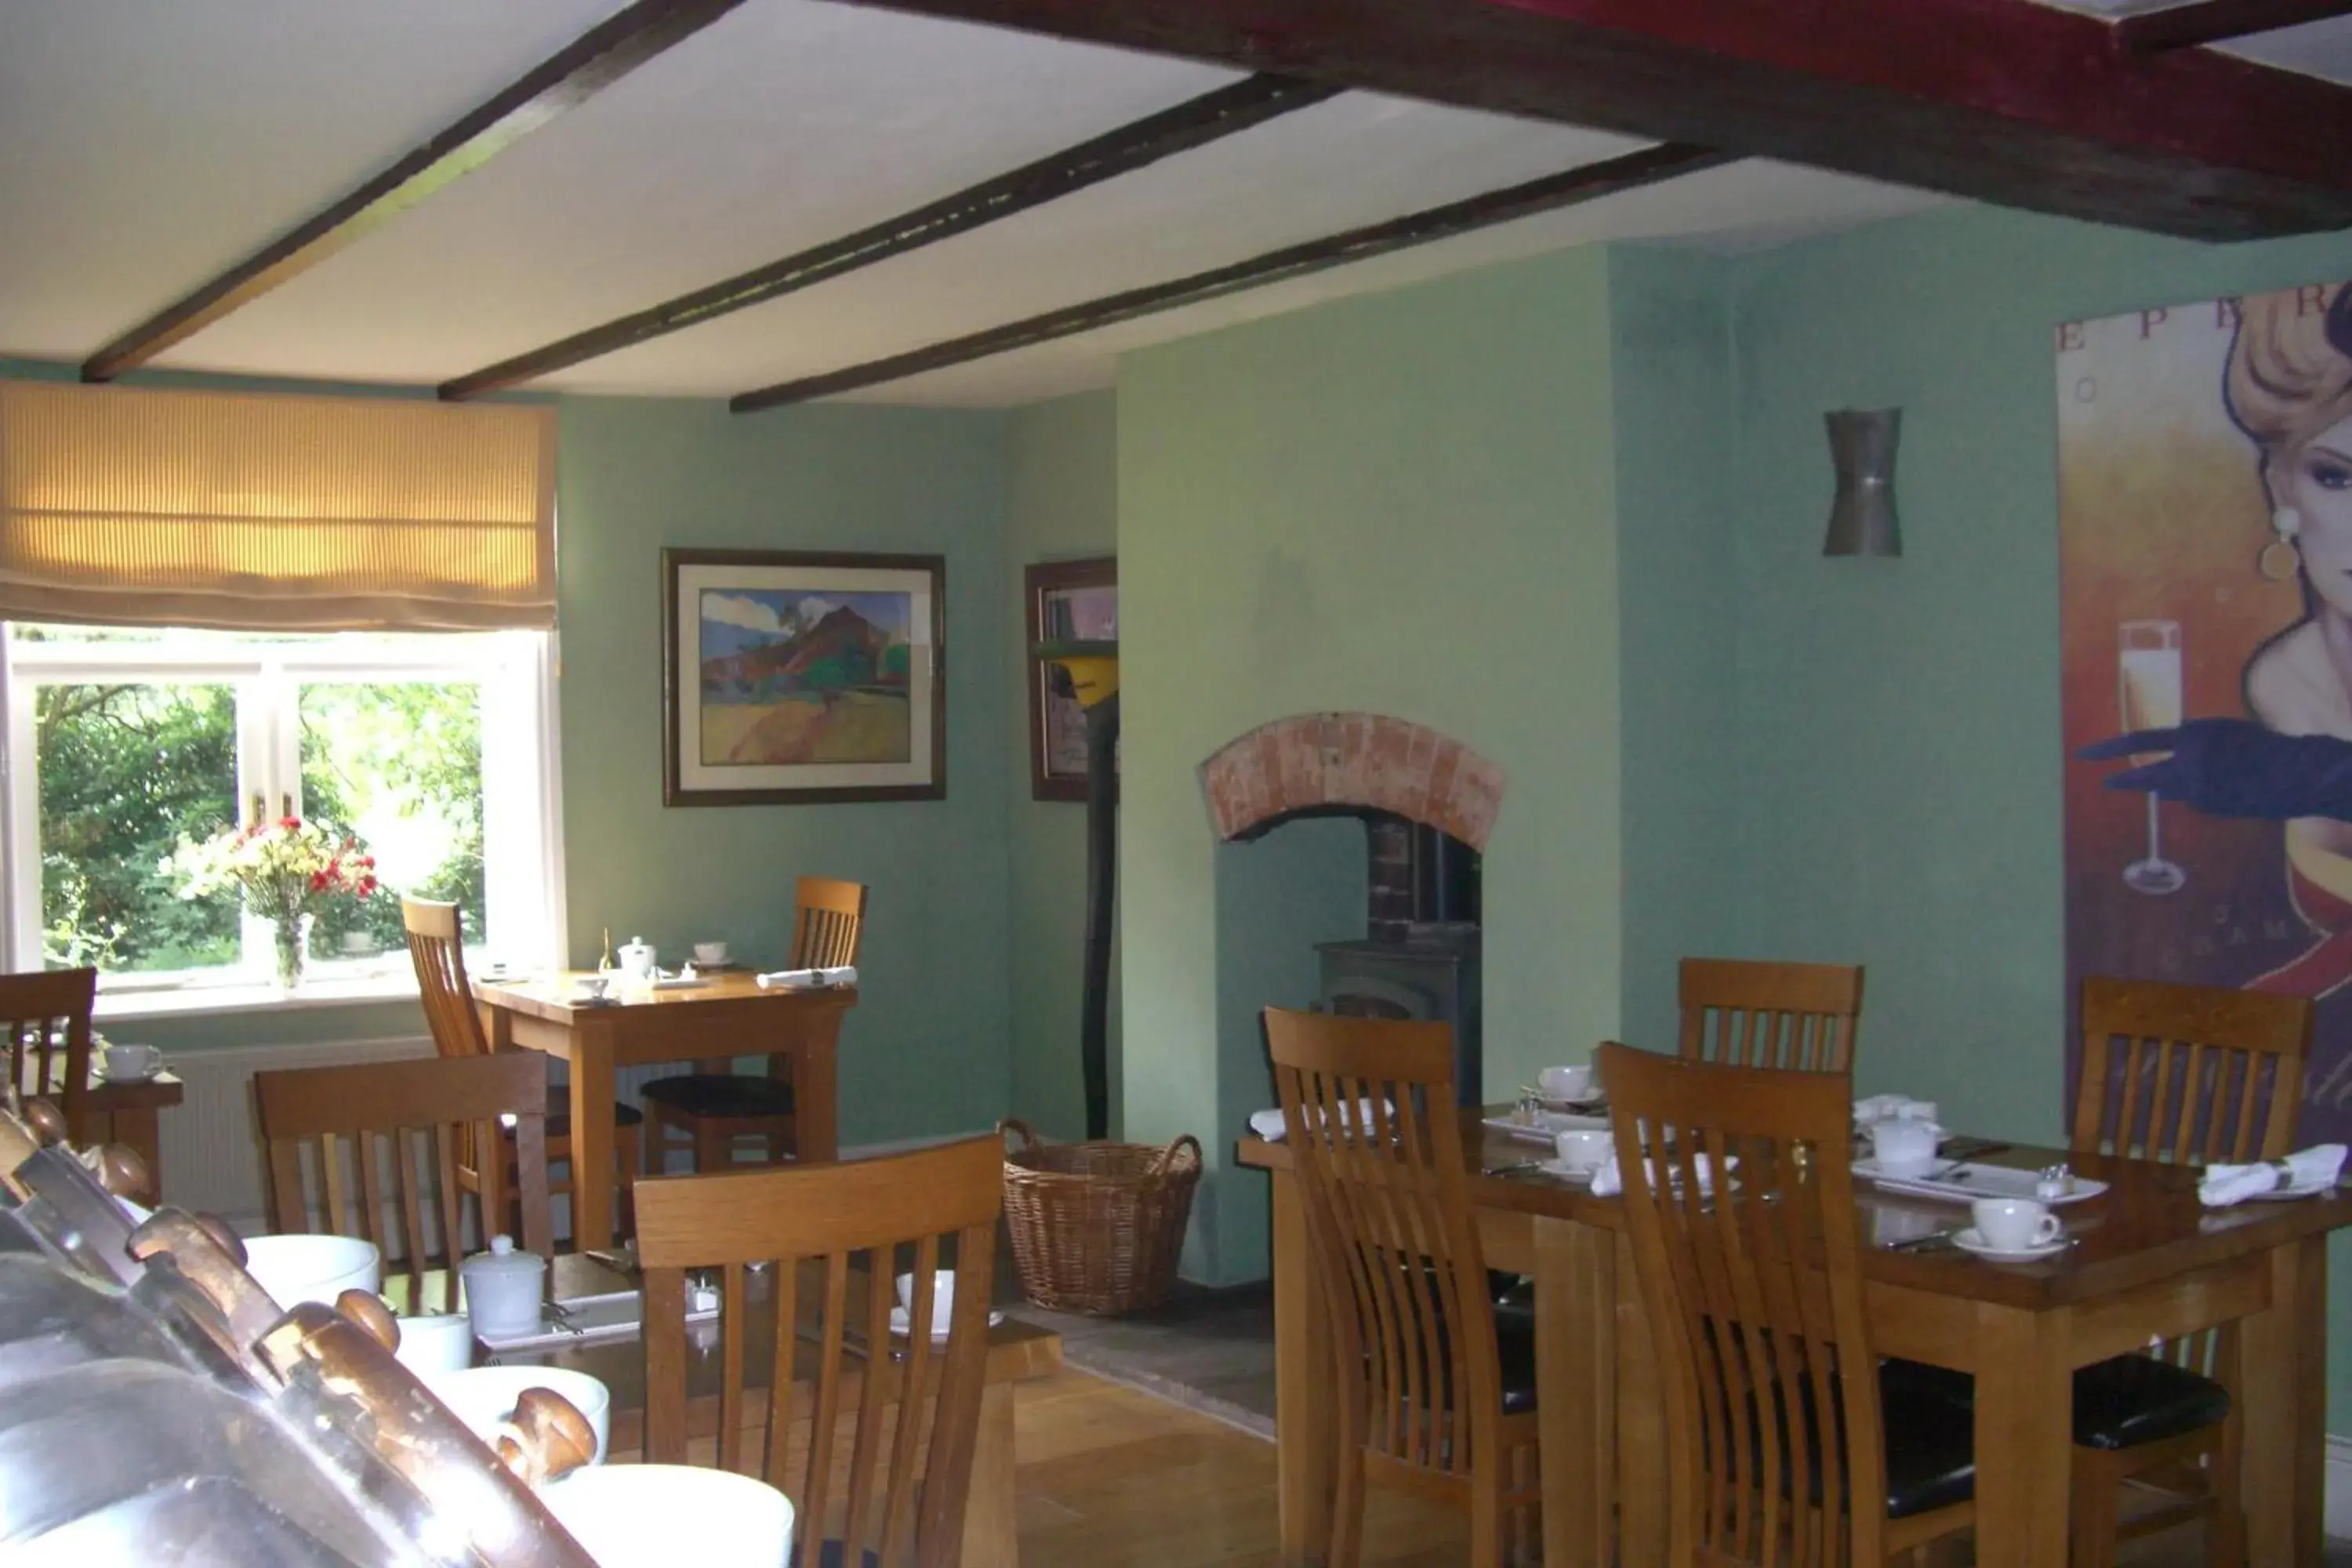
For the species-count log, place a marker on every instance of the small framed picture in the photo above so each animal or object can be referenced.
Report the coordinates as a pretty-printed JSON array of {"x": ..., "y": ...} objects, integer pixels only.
[
  {"x": 1069, "y": 601},
  {"x": 800, "y": 676}
]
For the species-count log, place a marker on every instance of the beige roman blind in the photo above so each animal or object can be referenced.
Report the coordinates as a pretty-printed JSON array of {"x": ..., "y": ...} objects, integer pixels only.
[{"x": 247, "y": 512}]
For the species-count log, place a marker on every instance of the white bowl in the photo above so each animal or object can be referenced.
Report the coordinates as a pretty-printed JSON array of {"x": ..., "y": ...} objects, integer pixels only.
[
  {"x": 312, "y": 1267},
  {"x": 483, "y": 1397},
  {"x": 630, "y": 1515},
  {"x": 1582, "y": 1148},
  {"x": 443, "y": 1343}
]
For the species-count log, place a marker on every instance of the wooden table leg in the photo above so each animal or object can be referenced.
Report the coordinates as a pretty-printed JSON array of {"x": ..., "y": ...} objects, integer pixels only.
[
  {"x": 2025, "y": 1432},
  {"x": 137, "y": 1127},
  {"x": 990, "y": 1527},
  {"x": 592, "y": 1170},
  {"x": 1302, "y": 1387},
  {"x": 1576, "y": 1371},
  {"x": 1641, "y": 1426},
  {"x": 2282, "y": 1380},
  {"x": 817, "y": 1106}
]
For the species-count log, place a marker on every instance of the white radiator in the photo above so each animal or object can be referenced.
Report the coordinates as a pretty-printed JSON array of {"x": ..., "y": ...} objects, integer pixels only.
[{"x": 211, "y": 1155}]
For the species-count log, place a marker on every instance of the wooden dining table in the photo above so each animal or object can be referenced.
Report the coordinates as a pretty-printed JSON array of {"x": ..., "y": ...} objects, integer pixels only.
[
  {"x": 125, "y": 1111},
  {"x": 728, "y": 1015},
  {"x": 1017, "y": 1352},
  {"x": 2150, "y": 1261}
]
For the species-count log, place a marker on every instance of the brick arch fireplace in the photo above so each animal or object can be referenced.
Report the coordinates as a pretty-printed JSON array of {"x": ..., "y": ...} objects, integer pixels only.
[
  {"x": 1427, "y": 803},
  {"x": 1362, "y": 762}
]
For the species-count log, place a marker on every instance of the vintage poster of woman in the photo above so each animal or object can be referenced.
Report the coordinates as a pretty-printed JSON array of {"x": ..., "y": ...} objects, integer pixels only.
[{"x": 2205, "y": 481}]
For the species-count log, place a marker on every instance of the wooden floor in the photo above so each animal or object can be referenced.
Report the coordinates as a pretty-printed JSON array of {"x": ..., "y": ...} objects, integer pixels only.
[{"x": 1113, "y": 1479}]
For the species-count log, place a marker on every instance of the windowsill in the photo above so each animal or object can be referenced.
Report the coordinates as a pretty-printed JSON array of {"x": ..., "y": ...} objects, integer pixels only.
[{"x": 198, "y": 1001}]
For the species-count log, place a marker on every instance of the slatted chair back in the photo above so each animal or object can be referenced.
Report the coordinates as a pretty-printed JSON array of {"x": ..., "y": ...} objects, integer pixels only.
[
  {"x": 1369, "y": 1113},
  {"x": 1750, "y": 1279},
  {"x": 1747, "y": 1013},
  {"x": 46, "y": 1014},
  {"x": 829, "y": 920},
  {"x": 837, "y": 1235},
  {"x": 385, "y": 1139},
  {"x": 2188, "y": 1074},
  {"x": 437, "y": 947}
]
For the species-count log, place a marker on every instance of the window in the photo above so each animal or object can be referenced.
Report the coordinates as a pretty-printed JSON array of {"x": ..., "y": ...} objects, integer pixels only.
[{"x": 434, "y": 750}]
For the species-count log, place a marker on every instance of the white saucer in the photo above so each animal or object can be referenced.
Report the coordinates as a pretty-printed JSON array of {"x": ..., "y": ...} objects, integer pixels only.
[
  {"x": 1561, "y": 1170},
  {"x": 939, "y": 1330},
  {"x": 1967, "y": 1241},
  {"x": 1869, "y": 1170},
  {"x": 105, "y": 1077}
]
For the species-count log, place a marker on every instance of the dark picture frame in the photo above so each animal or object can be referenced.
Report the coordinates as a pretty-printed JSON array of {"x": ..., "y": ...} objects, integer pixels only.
[
  {"x": 838, "y": 656},
  {"x": 1057, "y": 752}
]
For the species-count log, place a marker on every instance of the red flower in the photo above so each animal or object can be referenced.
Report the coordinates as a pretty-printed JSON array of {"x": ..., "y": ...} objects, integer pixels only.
[
  {"x": 319, "y": 881},
  {"x": 290, "y": 824}
]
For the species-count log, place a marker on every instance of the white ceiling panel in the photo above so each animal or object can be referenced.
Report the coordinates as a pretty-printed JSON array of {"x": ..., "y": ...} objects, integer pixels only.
[
  {"x": 147, "y": 144},
  {"x": 2315, "y": 48}
]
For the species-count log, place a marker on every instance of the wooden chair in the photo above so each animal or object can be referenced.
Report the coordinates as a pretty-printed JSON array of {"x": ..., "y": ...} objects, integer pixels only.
[
  {"x": 46, "y": 1014},
  {"x": 1783, "y": 1448},
  {"x": 1751, "y": 1013},
  {"x": 1434, "y": 1399},
  {"x": 407, "y": 1119},
  {"x": 834, "y": 1233},
  {"x": 712, "y": 1111},
  {"x": 2192, "y": 1076},
  {"x": 437, "y": 947}
]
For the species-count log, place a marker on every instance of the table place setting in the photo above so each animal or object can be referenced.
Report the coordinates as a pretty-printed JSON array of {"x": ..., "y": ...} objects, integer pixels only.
[
  {"x": 1270, "y": 1125},
  {"x": 2303, "y": 1173}
]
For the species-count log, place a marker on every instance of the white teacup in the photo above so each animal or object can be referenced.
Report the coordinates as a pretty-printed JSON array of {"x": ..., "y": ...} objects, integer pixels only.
[
  {"x": 2014, "y": 1224},
  {"x": 129, "y": 1062},
  {"x": 1566, "y": 1083},
  {"x": 942, "y": 1299},
  {"x": 303, "y": 1267},
  {"x": 443, "y": 1343},
  {"x": 1581, "y": 1148},
  {"x": 483, "y": 1397},
  {"x": 709, "y": 953},
  {"x": 1903, "y": 1147},
  {"x": 627, "y": 1515}
]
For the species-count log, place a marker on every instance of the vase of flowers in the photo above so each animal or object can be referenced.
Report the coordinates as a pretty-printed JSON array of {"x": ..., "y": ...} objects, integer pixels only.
[{"x": 286, "y": 870}]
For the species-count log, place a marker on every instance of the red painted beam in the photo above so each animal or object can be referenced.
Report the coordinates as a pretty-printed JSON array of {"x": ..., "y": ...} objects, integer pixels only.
[
  {"x": 2215, "y": 21},
  {"x": 1999, "y": 101}
]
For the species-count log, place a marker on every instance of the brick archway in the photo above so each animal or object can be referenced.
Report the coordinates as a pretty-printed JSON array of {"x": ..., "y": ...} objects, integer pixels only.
[{"x": 1367, "y": 760}]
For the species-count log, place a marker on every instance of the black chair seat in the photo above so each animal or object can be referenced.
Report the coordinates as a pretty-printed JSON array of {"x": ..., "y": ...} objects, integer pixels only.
[
  {"x": 2120, "y": 1403},
  {"x": 723, "y": 1094},
  {"x": 1931, "y": 1460},
  {"x": 1515, "y": 1348},
  {"x": 2134, "y": 1399},
  {"x": 832, "y": 1555}
]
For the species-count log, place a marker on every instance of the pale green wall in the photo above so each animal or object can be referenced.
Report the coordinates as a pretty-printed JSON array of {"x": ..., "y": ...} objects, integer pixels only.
[
  {"x": 1898, "y": 723},
  {"x": 1401, "y": 503},
  {"x": 1679, "y": 612},
  {"x": 925, "y": 1050},
  {"x": 1061, "y": 469}
]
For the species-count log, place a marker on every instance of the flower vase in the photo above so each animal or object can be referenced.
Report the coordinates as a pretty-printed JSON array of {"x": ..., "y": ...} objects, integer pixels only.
[{"x": 289, "y": 939}]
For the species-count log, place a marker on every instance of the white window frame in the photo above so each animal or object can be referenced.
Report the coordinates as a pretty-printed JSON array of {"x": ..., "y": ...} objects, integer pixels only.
[{"x": 522, "y": 796}]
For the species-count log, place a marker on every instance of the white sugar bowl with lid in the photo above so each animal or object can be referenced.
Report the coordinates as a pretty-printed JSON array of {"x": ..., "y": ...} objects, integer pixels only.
[
  {"x": 636, "y": 956},
  {"x": 503, "y": 1289}
]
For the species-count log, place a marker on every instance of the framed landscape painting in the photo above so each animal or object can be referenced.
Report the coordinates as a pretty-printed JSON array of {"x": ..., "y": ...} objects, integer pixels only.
[{"x": 792, "y": 677}]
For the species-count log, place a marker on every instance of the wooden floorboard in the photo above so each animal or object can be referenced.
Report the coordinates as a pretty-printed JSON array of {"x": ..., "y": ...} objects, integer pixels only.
[{"x": 1111, "y": 1478}]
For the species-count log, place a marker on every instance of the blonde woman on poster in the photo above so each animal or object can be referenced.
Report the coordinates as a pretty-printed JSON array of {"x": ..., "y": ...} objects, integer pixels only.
[{"x": 2288, "y": 387}]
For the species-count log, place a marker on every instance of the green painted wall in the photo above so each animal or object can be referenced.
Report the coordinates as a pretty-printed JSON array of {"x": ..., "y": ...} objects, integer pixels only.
[
  {"x": 1677, "y": 534},
  {"x": 1401, "y": 503},
  {"x": 1062, "y": 473},
  {"x": 925, "y": 1051},
  {"x": 1897, "y": 785}
]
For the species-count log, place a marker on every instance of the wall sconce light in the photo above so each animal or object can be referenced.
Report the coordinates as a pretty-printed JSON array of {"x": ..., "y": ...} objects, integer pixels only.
[{"x": 1861, "y": 449}]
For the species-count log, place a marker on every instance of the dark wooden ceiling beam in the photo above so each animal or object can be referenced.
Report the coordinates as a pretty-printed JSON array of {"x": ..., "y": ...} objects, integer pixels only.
[
  {"x": 569, "y": 77},
  {"x": 1586, "y": 182},
  {"x": 2000, "y": 100},
  {"x": 2199, "y": 22},
  {"x": 1194, "y": 123}
]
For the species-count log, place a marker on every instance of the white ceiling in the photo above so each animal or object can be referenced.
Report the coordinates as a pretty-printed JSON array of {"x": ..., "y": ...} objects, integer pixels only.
[
  {"x": 146, "y": 144},
  {"x": 2315, "y": 49}
]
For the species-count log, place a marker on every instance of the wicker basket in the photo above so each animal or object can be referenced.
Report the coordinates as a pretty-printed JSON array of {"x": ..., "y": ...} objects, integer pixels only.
[{"x": 1097, "y": 1225}]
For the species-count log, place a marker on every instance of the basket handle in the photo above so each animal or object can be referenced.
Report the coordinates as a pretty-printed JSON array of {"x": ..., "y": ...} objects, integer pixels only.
[
  {"x": 1160, "y": 1167},
  {"x": 1014, "y": 1124}
]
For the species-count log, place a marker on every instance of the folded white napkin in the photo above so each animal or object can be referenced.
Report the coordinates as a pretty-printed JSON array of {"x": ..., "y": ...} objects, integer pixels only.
[
  {"x": 1270, "y": 1126},
  {"x": 1893, "y": 1108},
  {"x": 2317, "y": 1167},
  {"x": 847, "y": 974},
  {"x": 1607, "y": 1183}
]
